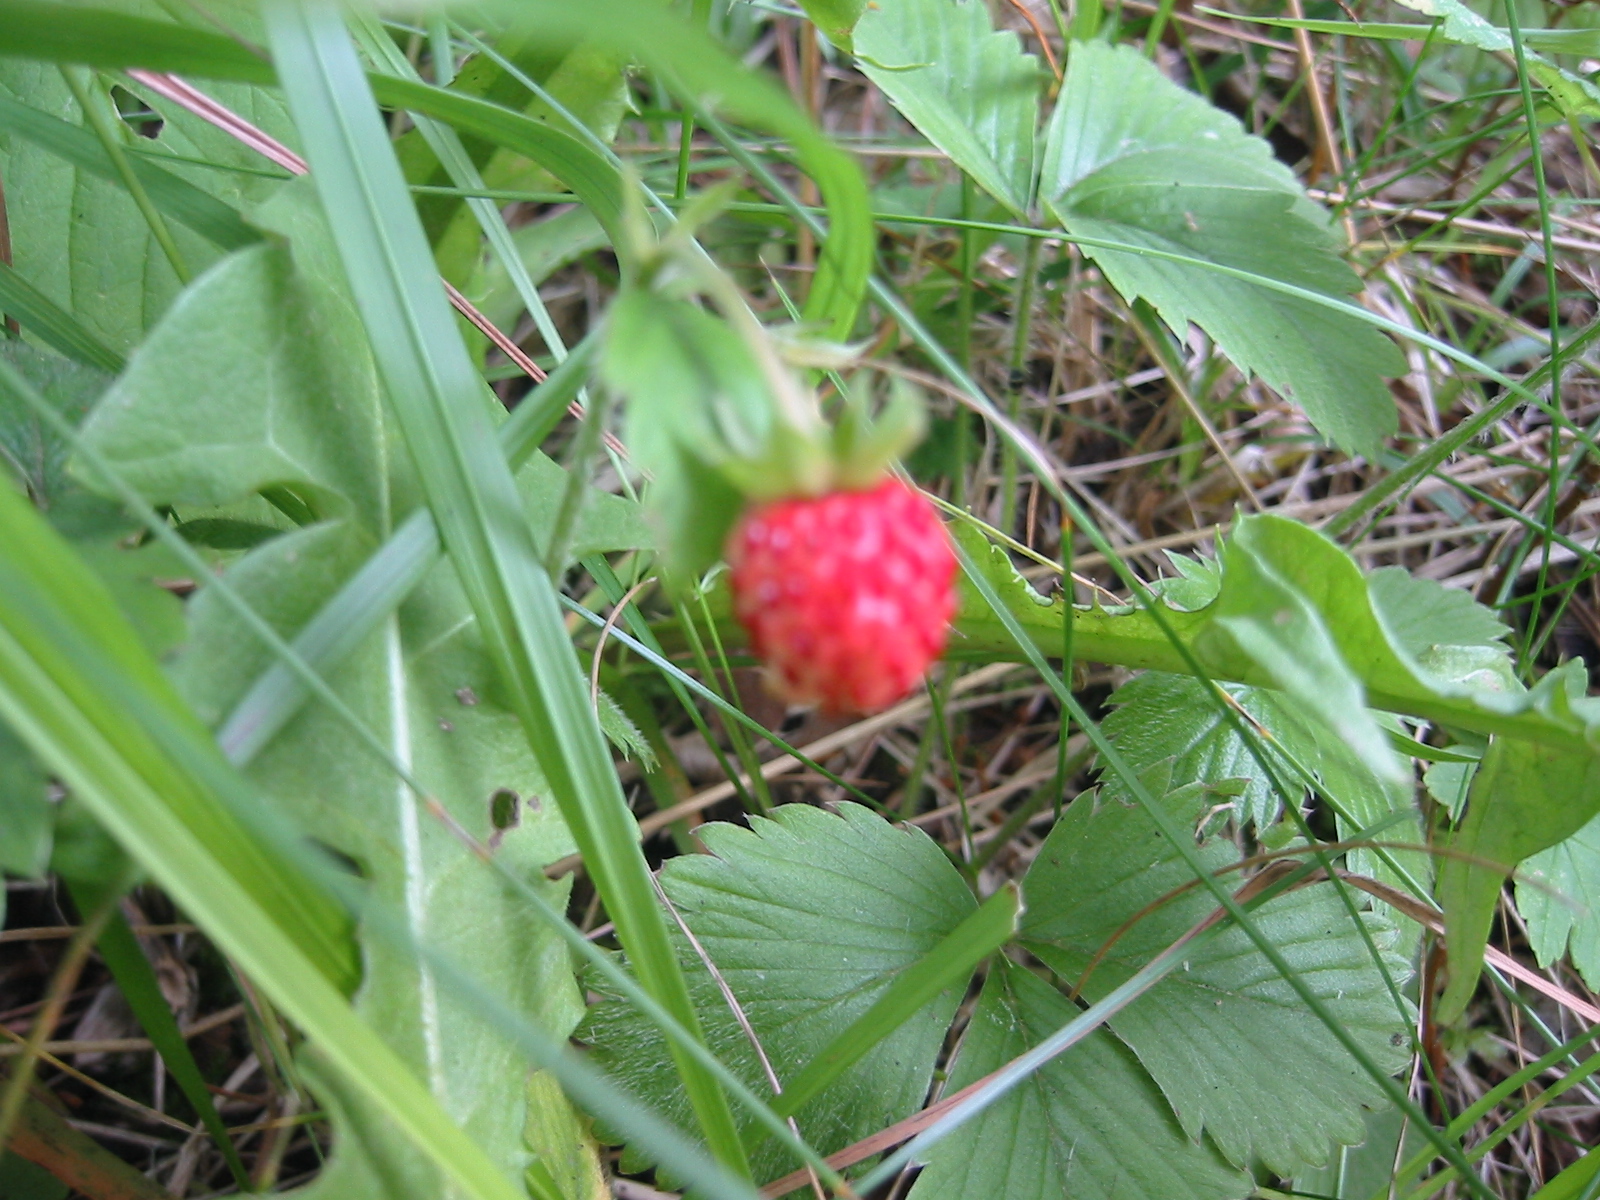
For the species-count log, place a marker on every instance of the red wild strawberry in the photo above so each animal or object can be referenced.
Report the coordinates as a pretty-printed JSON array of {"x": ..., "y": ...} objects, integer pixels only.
[{"x": 845, "y": 596}]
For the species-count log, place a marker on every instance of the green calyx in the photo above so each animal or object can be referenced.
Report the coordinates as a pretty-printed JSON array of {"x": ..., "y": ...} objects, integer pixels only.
[{"x": 851, "y": 454}]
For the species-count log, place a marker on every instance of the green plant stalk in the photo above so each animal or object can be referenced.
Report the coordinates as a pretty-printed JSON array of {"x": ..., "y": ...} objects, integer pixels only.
[
  {"x": 580, "y": 470},
  {"x": 86, "y": 93},
  {"x": 1553, "y": 291},
  {"x": 1022, "y": 320},
  {"x": 435, "y": 393},
  {"x": 947, "y": 965},
  {"x": 758, "y": 800}
]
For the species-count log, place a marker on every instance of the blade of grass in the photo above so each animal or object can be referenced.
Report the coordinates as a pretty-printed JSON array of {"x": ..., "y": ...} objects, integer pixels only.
[
  {"x": 177, "y": 198},
  {"x": 439, "y": 401},
  {"x": 52, "y": 325},
  {"x": 136, "y": 980}
]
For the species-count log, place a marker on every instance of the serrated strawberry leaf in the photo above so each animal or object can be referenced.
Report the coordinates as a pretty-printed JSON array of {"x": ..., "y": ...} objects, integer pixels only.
[
  {"x": 809, "y": 918},
  {"x": 1133, "y": 158},
  {"x": 1226, "y": 1039},
  {"x": 967, "y": 87},
  {"x": 1558, "y": 895},
  {"x": 1573, "y": 94},
  {"x": 1091, "y": 1124}
]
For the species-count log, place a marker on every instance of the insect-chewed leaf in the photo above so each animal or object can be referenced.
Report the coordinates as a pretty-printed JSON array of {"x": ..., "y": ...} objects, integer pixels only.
[
  {"x": 78, "y": 235},
  {"x": 808, "y": 918},
  {"x": 967, "y": 87},
  {"x": 1090, "y": 1124},
  {"x": 1131, "y": 157},
  {"x": 1232, "y": 1047},
  {"x": 258, "y": 376}
]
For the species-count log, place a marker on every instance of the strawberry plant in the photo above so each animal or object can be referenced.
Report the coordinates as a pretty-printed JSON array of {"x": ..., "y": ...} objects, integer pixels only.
[{"x": 424, "y": 434}]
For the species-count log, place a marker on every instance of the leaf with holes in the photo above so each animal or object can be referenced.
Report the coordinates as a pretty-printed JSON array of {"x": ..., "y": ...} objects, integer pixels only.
[
  {"x": 76, "y": 233},
  {"x": 266, "y": 355},
  {"x": 1130, "y": 157}
]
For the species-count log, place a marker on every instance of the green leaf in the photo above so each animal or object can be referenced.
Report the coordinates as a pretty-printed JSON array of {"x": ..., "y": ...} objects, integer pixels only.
[
  {"x": 1558, "y": 895},
  {"x": 78, "y": 237},
  {"x": 1090, "y": 1124},
  {"x": 1574, "y": 1183},
  {"x": 40, "y": 316},
  {"x": 1169, "y": 723},
  {"x": 1421, "y": 614},
  {"x": 1269, "y": 619},
  {"x": 1131, "y": 157},
  {"x": 91, "y": 702},
  {"x": 267, "y": 352},
  {"x": 835, "y": 18},
  {"x": 967, "y": 87},
  {"x": 1226, "y": 1038},
  {"x": 51, "y": 126},
  {"x": 1170, "y": 719},
  {"x": 36, "y": 456},
  {"x": 250, "y": 382},
  {"x": 1524, "y": 798},
  {"x": 810, "y": 918}
]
